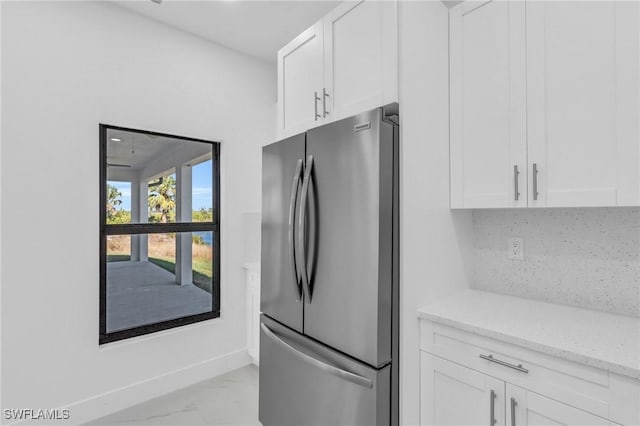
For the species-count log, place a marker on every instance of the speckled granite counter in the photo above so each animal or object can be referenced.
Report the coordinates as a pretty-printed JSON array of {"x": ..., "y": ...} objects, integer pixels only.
[{"x": 602, "y": 340}]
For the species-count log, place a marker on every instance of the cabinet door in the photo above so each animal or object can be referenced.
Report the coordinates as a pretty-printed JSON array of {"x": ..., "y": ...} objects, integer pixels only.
[
  {"x": 253, "y": 315},
  {"x": 583, "y": 102},
  {"x": 455, "y": 395},
  {"x": 361, "y": 57},
  {"x": 488, "y": 97},
  {"x": 300, "y": 79},
  {"x": 526, "y": 408}
]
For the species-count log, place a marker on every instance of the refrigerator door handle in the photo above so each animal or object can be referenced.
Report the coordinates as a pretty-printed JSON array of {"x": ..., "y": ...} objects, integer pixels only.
[
  {"x": 302, "y": 229},
  {"x": 328, "y": 368},
  {"x": 292, "y": 210}
]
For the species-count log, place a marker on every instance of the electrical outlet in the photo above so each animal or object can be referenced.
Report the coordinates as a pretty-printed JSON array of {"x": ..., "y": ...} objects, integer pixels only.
[{"x": 515, "y": 248}]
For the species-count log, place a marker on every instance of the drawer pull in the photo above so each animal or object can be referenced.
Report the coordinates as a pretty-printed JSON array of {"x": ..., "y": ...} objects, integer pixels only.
[
  {"x": 492, "y": 408},
  {"x": 325, "y": 95},
  {"x": 535, "y": 182},
  {"x": 504, "y": 363},
  {"x": 316, "y": 98},
  {"x": 516, "y": 173}
]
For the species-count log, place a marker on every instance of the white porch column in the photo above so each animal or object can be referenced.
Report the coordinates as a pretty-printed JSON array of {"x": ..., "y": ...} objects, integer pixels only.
[
  {"x": 184, "y": 272},
  {"x": 135, "y": 218},
  {"x": 143, "y": 212}
]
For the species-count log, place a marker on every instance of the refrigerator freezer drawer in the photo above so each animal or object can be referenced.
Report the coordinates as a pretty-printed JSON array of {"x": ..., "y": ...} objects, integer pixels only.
[{"x": 304, "y": 383}]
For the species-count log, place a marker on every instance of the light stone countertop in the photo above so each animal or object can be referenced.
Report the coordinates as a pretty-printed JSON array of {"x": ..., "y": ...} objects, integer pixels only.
[{"x": 597, "y": 339}]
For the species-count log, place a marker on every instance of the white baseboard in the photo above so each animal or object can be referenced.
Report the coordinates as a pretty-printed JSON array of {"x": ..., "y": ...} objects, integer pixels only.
[{"x": 127, "y": 396}]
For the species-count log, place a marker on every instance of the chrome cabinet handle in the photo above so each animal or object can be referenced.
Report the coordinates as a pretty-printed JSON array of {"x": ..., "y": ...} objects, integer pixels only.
[
  {"x": 516, "y": 173},
  {"x": 504, "y": 363},
  {"x": 492, "y": 406},
  {"x": 302, "y": 228},
  {"x": 338, "y": 372},
  {"x": 316, "y": 98},
  {"x": 325, "y": 95},
  {"x": 535, "y": 181},
  {"x": 513, "y": 411},
  {"x": 292, "y": 219}
]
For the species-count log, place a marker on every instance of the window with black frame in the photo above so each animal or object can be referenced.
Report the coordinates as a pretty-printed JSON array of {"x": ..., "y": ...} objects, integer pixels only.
[{"x": 159, "y": 232}]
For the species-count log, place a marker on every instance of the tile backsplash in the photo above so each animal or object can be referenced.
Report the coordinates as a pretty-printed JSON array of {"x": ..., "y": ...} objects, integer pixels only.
[{"x": 588, "y": 257}]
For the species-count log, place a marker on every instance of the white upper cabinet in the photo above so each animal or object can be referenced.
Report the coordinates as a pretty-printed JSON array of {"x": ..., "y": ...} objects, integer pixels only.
[
  {"x": 552, "y": 88},
  {"x": 582, "y": 70},
  {"x": 360, "y": 57},
  {"x": 488, "y": 121},
  {"x": 300, "y": 77},
  {"x": 345, "y": 64}
]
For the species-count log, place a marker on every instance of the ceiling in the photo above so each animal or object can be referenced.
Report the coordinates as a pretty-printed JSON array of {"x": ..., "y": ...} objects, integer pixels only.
[
  {"x": 257, "y": 27},
  {"x": 134, "y": 151}
]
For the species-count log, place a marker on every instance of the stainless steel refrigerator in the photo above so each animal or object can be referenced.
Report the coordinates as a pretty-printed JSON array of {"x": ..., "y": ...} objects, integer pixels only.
[{"x": 329, "y": 275}]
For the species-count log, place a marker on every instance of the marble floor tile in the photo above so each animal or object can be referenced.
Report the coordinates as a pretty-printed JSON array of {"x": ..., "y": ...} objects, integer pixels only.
[{"x": 230, "y": 399}]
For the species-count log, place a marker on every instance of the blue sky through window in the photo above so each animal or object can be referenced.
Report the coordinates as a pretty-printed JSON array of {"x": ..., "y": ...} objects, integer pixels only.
[
  {"x": 202, "y": 182},
  {"x": 125, "y": 189}
]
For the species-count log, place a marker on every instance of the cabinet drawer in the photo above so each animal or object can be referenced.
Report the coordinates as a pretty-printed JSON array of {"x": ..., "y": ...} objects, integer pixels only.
[{"x": 577, "y": 385}]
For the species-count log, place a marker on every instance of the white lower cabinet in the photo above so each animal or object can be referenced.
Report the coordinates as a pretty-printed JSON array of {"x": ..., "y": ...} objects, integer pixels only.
[
  {"x": 469, "y": 380},
  {"x": 456, "y": 395},
  {"x": 525, "y": 408},
  {"x": 453, "y": 395},
  {"x": 253, "y": 311}
]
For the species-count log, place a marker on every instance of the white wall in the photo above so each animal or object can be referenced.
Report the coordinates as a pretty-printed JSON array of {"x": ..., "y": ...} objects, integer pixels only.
[
  {"x": 435, "y": 242},
  {"x": 67, "y": 66}
]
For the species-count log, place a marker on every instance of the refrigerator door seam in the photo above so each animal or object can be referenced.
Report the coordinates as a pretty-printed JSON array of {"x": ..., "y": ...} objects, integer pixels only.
[{"x": 302, "y": 233}]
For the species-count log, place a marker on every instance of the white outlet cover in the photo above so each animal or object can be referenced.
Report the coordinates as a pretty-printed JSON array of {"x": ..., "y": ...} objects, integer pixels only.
[{"x": 515, "y": 248}]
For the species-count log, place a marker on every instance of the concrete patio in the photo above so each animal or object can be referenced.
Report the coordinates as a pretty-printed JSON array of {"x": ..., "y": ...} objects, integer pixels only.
[{"x": 140, "y": 292}]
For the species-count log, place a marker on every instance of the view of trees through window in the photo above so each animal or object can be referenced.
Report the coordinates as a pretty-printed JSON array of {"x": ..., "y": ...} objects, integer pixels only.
[
  {"x": 159, "y": 232},
  {"x": 117, "y": 193},
  {"x": 162, "y": 199},
  {"x": 161, "y": 208}
]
